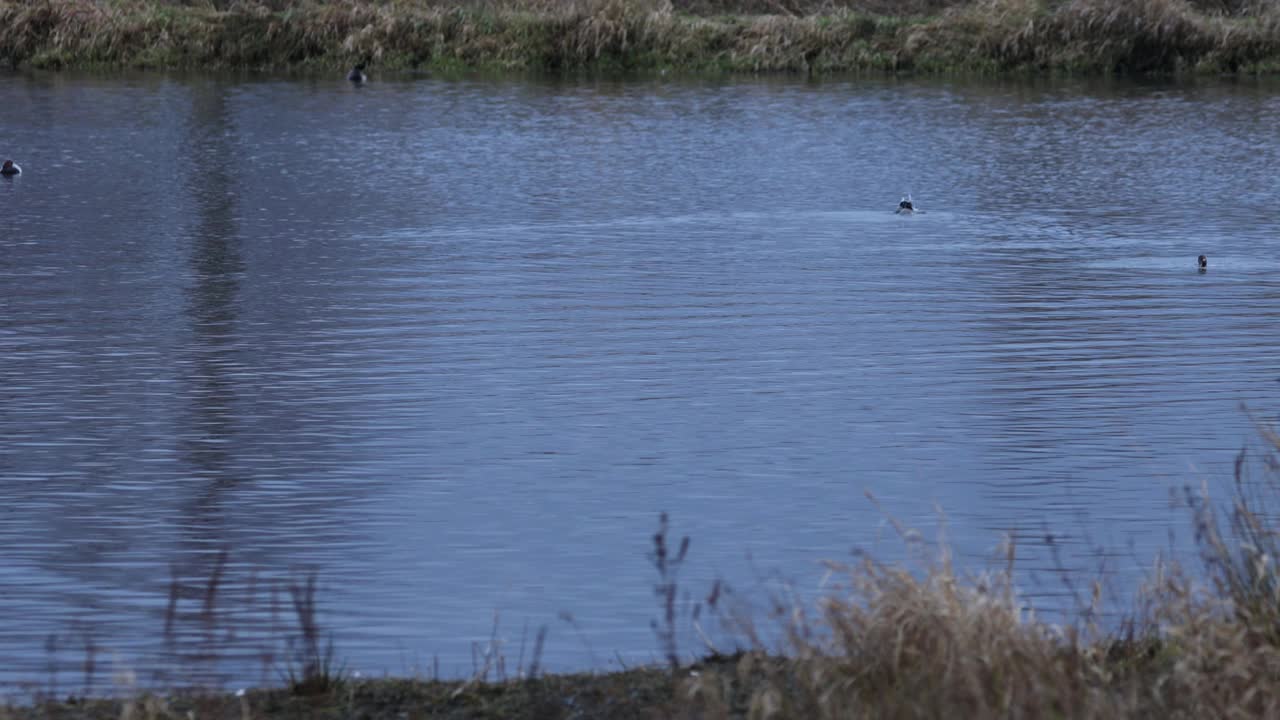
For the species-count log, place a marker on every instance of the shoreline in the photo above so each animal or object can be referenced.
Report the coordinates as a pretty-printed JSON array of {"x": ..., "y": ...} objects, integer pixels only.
[
  {"x": 978, "y": 37},
  {"x": 637, "y": 693},
  {"x": 717, "y": 686}
]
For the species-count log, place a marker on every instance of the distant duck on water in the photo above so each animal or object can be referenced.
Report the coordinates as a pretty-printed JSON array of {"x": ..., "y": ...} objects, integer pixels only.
[
  {"x": 906, "y": 207},
  {"x": 1203, "y": 263},
  {"x": 357, "y": 75},
  {"x": 10, "y": 168}
]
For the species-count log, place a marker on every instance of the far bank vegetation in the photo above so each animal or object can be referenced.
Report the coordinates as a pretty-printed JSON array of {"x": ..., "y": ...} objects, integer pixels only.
[{"x": 684, "y": 36}]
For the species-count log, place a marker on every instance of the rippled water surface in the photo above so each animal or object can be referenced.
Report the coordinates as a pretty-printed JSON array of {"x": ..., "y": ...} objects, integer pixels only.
[{"x": 452, "y": 346}]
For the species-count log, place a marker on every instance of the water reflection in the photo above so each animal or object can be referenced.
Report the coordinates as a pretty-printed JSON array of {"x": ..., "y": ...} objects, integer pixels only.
[
  {"x": 208, "y": 442},
  {"x": 216, "y": 266}
]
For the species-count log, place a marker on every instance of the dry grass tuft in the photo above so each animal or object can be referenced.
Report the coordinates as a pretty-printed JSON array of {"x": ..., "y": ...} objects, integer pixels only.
[
  {"x": 1140, "y": 36},
  {"x": 889, "y": 642}
]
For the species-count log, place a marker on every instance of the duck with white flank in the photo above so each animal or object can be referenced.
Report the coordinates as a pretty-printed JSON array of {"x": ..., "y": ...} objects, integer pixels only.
[{"x": 10, "y": 168}]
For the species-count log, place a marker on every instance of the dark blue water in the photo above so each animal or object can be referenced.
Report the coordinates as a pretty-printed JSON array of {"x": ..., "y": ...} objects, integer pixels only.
[{"x": 452, "y": 346}]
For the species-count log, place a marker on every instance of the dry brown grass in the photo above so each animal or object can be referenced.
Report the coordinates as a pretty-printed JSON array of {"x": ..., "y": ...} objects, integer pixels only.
[
  {"x": 924, "y": 641},
  {"x": 895, "y": 643},
  {"x": 890, "y": 642}
]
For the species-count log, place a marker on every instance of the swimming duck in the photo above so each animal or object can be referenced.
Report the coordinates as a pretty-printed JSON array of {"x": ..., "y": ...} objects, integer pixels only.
[
  {"x": 357, "y": 75},
  {"x": 905, "y": 206},
  {"x": 1203, "y": 262},
  {"x": 10, "y": 168}
]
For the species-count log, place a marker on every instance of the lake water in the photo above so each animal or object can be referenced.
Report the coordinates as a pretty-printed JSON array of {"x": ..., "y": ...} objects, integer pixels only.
[{"x": 451, "y": 346}]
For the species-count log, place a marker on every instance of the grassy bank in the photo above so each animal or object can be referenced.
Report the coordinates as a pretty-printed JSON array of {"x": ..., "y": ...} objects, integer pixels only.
[{"x": 799, "y": 36}]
